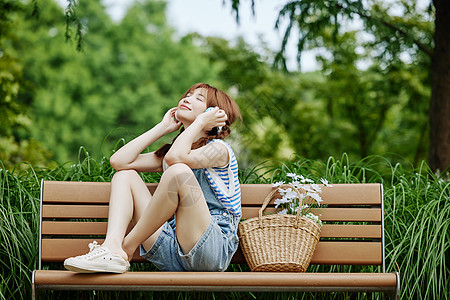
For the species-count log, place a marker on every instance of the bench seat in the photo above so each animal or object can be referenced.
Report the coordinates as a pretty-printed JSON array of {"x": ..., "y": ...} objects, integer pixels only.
[{"x": 74, "y": 214}]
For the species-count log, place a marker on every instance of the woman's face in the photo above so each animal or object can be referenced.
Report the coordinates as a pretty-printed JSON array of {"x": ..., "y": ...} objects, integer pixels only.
[{"x": 192, "y": 105}]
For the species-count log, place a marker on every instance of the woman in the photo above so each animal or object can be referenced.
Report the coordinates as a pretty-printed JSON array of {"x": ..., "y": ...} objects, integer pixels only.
[{"x": 190, "y": 222}]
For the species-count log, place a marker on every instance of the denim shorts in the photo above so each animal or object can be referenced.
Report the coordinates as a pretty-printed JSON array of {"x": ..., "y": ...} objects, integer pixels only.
[{"x": 212, "y": 252}]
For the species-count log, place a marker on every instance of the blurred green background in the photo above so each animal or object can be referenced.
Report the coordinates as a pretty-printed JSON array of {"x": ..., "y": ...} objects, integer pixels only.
[{"x": 60, "y": 92}]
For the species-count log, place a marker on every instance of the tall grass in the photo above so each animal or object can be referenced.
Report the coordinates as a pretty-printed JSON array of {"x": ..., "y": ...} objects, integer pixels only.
[
  {"x": 418, "y": 235},
  {"x": 417, "y": 220},
  {"x": 18, "y": 229}
]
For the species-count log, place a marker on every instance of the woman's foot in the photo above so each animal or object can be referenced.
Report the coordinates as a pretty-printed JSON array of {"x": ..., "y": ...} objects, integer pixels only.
[
  {"x": 99, "y": 259},
  {"x": 128, "y": 252},
  {"x": 117, "y": 250}
]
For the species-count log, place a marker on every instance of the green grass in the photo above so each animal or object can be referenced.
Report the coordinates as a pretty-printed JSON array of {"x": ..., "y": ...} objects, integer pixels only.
[{"x": 417, "y": 218}]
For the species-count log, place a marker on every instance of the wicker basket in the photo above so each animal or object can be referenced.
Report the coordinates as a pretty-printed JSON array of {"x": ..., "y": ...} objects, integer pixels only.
[{"x": 278, "y": 243}]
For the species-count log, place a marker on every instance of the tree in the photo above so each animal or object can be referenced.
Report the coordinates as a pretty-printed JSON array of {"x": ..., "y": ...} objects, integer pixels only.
[
  {"x": 410, "y": 34},
  {"x": 323, "y": 114},
  {"x": 118, "y": 85},
  {"x": 14, "y": 114},
  {"x": 440, "y": 96}
]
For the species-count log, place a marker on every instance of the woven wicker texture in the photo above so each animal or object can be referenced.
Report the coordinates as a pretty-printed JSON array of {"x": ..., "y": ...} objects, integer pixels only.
[{"x": 278, "y": 243}]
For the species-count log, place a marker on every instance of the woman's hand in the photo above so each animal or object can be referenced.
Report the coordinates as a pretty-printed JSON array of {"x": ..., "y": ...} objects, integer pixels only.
[
  {"x": 169, "y": 122},
  {"x": 215, "y": 117}
]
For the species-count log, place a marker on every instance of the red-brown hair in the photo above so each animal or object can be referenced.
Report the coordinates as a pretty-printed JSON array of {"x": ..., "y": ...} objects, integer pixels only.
[{"x": 214, "y": 97}]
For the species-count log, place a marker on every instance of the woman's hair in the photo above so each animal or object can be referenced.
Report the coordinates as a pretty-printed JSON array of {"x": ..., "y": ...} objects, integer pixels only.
[{"x": 214, "y": 97}]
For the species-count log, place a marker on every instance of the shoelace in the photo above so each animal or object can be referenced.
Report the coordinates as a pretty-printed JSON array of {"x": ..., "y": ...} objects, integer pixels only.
[{"x": 94, "y": 248}]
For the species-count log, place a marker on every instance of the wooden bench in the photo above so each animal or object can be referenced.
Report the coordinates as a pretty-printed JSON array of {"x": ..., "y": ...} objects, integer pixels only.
[{"x": 74, "y": 213}]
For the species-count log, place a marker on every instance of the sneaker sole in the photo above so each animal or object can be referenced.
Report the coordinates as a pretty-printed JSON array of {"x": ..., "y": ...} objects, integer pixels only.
[{"x": 80, "y": 268}]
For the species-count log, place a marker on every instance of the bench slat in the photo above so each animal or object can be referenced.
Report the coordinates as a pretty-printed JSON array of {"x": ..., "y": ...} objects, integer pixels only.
[
  {"x": 79, "y": 192},
  {"x": 339, "y": 194},
  {"x": 362, "y": 253},
  {"x": 99, "y": 228},
  {"x": 253, "y": 194},
  {"x": 75, "y": 211},
  {"x": 328, "y": 214},
  {"x": 216, "y": 279}
]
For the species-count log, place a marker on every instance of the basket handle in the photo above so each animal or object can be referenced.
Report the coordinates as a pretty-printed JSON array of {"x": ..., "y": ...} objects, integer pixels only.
[{"x": 269, "y": 197}]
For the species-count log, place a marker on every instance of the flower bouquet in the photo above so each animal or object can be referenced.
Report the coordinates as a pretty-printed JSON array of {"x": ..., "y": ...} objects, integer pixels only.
[
  {"x": 290, "y": 200},
  {"x": 284, "y": 241}
]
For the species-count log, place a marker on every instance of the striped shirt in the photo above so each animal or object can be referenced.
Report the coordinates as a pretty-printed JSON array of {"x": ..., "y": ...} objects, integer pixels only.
[{"x": 225, "y": 182}]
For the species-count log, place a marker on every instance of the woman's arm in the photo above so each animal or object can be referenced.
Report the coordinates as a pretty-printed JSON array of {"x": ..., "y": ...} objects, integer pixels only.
[
  {"x": 130, "y": 156},
  {"x": 211, "y": 155}
]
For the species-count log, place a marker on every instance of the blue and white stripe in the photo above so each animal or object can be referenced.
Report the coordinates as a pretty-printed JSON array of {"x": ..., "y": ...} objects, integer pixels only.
[{"x": 225, "y": 182}]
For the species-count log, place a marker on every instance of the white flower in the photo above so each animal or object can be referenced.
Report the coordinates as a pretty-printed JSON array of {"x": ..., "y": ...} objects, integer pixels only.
[
  {"x": 314, "y": 218},
  {"x": 302, "y": 208},
  {"x": 291, "y": 194},
  {"x": 294, "y": 176},
  {"x": 283, "y": 211},
  {"x": 307, "y": 188},
  {"x": 283, "y": 200},
  {"x": 292, "y": 198},
  {"x": 316, "y": 188},
  {"x": 315, "y": 196},
  {"x": 282, "y": 192},
  {"x": 277, "y": 202},
  {"x": 296, "y": 184},
  {"x": 325, "y": 182}
]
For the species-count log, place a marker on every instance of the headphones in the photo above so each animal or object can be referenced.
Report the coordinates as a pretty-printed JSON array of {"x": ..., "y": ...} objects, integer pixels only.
[{"x": 218, "y": 129}]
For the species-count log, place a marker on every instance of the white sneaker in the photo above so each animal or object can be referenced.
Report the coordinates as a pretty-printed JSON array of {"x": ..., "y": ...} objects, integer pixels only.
[{"x": 99, "y": 259}]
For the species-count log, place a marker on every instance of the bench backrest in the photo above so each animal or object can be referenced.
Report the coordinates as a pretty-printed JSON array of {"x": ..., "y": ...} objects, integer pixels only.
[{"x": 75, "y": 213}]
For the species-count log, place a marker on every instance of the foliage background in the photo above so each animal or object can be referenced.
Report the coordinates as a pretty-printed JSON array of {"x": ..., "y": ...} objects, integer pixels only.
[{"x": 128, "y": 73}]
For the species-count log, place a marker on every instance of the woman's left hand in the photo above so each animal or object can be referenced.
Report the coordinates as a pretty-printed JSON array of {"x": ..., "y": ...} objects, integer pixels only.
[{"x": 213, "y": 118}]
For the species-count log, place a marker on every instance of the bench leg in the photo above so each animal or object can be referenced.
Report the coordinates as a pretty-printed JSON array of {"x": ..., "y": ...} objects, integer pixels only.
[
  {"x": 395, "y": 294},
  {"x": 33, "y": 287}
]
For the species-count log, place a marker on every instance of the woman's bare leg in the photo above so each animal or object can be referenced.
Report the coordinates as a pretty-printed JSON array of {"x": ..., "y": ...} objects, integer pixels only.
[
  {"x": 128, "y": 200},
  {"x": 177, "y": 193}
]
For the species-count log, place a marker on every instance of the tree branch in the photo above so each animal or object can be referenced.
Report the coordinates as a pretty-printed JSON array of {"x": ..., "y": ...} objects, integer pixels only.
[
  {"x": 391, "y": 26},
  {"x": 394, "y": 28}
]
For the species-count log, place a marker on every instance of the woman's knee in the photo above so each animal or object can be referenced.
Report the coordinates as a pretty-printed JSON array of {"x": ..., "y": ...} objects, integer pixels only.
[
  {"x": 179, "y": 176},
  {"x": 178, "y": 170},
  {"x": 124, "y": 176}
]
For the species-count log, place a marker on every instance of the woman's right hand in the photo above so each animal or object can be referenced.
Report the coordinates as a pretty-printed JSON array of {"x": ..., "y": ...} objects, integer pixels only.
[
  {"x": 213, "y": 117},
  {"x": 169, "y": 122}
]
